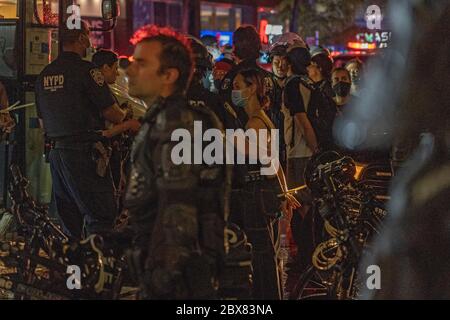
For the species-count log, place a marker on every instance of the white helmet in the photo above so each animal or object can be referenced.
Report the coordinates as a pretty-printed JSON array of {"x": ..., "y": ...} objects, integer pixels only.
[{"x": 288, "y": 39}]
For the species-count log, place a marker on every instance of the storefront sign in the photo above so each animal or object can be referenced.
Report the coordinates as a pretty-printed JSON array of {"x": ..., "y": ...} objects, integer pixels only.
[
  {"x": 379, "y": 38},
  {"x": 268, "y": 31}
]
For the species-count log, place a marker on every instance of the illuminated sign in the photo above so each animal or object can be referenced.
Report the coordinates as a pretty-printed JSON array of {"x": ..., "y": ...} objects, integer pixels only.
[
  {"x": 379, "y": 38},
  {"x": 361, "y": 45},
  {"x": 268, "y": 31},
  {"x": 99, "y": 39},
  {"x": 224, "y": 37}
]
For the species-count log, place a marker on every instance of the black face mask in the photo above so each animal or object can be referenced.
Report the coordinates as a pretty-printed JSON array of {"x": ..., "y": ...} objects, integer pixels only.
[
  {"x": 342, "y": 89},
  {"x": 217, "y": 83}
]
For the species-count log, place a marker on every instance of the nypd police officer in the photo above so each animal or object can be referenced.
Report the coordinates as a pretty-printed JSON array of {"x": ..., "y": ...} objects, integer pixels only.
[{"x": 73, "y": 102}]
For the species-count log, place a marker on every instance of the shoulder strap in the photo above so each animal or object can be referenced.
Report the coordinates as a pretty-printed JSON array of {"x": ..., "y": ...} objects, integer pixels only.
[
  {"x": 305, "y": 89},
  {"x": 230, "y": 110}
]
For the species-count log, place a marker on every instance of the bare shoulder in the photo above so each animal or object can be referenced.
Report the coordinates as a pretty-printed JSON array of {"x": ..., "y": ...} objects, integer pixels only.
[{"x": 256, "y": 123}]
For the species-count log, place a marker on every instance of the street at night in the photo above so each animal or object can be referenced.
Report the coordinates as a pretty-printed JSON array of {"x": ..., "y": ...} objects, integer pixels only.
[{"x": 236, "y": 152}]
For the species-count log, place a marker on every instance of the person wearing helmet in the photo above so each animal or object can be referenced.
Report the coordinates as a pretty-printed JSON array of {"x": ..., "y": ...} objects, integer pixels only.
[
  {"x": 211, "y": 44},
  {"x": 300, "y": 137},
  {"x": 321, "y": 63},
  {"x": 319, "y": 71},
  {"x": 197, "y": 94},
  {"x": 277, "y": 57}
]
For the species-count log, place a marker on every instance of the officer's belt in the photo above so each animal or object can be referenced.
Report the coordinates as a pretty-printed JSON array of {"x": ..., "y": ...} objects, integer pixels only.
[{"x": 77, "y": 141}]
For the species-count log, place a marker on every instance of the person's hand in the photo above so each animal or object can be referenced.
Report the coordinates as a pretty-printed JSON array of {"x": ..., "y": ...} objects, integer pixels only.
[
  {"x": 292, "y": 202},
  {"x": 288, "y": 205},
  {"x": 133, "y": 125},
  {"x": 129, "y": 110}
]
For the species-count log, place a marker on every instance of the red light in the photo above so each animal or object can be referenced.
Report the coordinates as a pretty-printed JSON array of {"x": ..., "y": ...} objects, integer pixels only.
[
  {"x": 262, "y": 31},
  {"x": 361, "y": 45}
]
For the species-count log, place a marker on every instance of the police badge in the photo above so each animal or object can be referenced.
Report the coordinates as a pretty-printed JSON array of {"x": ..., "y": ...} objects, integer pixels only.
[{"x": 97, "y": 75}]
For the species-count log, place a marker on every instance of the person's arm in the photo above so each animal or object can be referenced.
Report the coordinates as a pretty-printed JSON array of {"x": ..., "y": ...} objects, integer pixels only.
[
  {"x": 100, "y": 96},
  {"x": 3, "y": 97},
  {"x": 301, "y": 119},
  {"x": 290, "y": 203},
  {"x": 114, "y": 114},
  {"x": 133, "y": 125}
]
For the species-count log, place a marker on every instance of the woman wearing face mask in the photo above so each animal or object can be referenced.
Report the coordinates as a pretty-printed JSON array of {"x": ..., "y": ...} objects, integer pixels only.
[
  {"x": 341, "y": 84},
  {"x": 260, "y": 204}
]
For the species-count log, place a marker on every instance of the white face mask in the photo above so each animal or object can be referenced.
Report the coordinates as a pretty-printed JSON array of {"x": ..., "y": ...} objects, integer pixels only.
[{"x": 238, "y": 98}]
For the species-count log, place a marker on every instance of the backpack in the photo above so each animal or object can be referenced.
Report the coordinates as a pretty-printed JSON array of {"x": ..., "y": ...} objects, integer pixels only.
[{"x": 305, "y": 90}]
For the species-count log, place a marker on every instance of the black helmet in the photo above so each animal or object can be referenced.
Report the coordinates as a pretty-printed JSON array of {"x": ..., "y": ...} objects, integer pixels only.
[
  {"x": 299, "y": 58},
  {"x": 322, "y": 57},
  {"x": 202, "y": 58},
  {"x": 277, "y": 50},
  {"x": 319, "y": 50}
]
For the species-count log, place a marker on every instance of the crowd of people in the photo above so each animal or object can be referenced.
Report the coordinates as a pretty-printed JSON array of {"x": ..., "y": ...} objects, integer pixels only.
[
  {"x": 211, "y": 230},
  {"x": 175, "y": 214}
]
